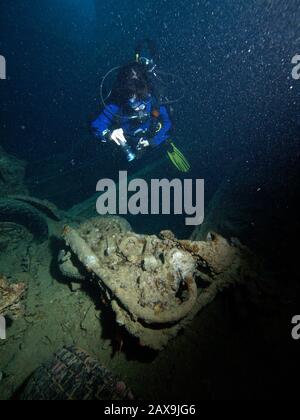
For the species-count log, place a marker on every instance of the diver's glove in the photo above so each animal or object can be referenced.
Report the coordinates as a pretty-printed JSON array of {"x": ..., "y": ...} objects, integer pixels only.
[{"x": 117, "y": 136}]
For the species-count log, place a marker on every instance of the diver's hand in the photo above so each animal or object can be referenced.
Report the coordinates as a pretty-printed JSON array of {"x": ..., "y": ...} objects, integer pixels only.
[
  {"x": 143, "y": 143},
  {"x": 118, "y": 137}
]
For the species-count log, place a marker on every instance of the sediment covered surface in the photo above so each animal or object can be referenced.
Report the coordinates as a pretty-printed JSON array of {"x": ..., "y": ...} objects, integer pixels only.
[
  {"x": 50, "y": 299},
  {"x": 217, "y": 355}
]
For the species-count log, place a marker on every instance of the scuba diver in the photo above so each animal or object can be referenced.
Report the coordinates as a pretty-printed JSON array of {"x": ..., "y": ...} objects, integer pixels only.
[{"x": 134, "y": 118}]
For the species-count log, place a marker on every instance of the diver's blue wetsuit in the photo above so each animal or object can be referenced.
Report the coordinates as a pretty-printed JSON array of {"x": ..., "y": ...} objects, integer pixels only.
[{"x": 114, "y": 116}]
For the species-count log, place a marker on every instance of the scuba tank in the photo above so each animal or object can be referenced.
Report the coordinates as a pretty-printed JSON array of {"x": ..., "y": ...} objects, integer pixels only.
[{"x": 146, "y": 54}]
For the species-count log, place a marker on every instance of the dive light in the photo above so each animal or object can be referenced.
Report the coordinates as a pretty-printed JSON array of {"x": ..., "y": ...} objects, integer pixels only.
[{"x": 130, "y": 155}]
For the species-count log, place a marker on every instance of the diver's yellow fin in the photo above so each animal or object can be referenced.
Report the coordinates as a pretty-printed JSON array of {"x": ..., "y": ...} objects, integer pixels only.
[{"x": 178, "y": 159}]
